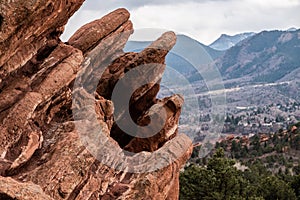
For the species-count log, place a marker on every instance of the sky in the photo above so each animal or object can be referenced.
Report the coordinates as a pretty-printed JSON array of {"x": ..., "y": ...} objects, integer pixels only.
[{"x": 203, "y": 20}]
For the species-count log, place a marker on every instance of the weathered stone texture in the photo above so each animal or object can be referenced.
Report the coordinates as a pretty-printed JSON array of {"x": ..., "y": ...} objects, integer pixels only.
[{"x": 41, "y": 153}]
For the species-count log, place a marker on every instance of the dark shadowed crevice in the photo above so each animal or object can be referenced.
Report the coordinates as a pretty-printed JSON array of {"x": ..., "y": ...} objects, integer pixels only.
[
  {"x": 1, "y": 21},
  {"x": 120, "y": 136},
  {"x": 6, "y": 197}
]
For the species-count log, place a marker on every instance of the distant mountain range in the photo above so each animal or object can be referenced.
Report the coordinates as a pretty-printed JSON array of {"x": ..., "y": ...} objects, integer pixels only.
[
  {"x": 182, "y": 44},
  {"x": 265, "y": 57},
  {"x": 225, "y": 42},
  {"x": 184, "y": 55}
]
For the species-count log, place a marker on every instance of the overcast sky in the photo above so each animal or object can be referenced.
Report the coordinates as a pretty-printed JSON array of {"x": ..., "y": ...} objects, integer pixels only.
[{"x": 204, "y": 20}]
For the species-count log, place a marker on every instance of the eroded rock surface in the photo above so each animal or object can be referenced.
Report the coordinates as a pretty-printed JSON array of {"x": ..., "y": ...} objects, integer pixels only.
[{"x": 42, "y": 154}]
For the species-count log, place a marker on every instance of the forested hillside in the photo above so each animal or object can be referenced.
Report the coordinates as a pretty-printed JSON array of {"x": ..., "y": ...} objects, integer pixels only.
[{"x": 264, "y": 167}]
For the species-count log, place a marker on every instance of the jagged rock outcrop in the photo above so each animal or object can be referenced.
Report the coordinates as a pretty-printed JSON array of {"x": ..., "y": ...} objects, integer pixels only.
[{"x": 43, "y": 154}]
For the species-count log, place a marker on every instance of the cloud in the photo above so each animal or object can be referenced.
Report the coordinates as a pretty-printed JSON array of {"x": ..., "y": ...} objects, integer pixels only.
[
  {"x": 131, "y": 4},
  {"x": 206, "y": 21},
  {"x": 203, "y": 20}
]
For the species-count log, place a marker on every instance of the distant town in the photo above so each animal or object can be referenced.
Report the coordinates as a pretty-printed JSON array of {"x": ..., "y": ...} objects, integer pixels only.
[{"x": 270, "y": 118}]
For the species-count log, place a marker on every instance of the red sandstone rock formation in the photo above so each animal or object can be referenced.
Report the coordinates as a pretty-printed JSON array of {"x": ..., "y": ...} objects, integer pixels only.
[{"x": 41, "y": 153}]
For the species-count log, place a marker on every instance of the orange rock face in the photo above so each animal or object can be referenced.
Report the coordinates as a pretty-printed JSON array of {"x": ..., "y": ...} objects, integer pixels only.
[{"x": 53, "y": 95}]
